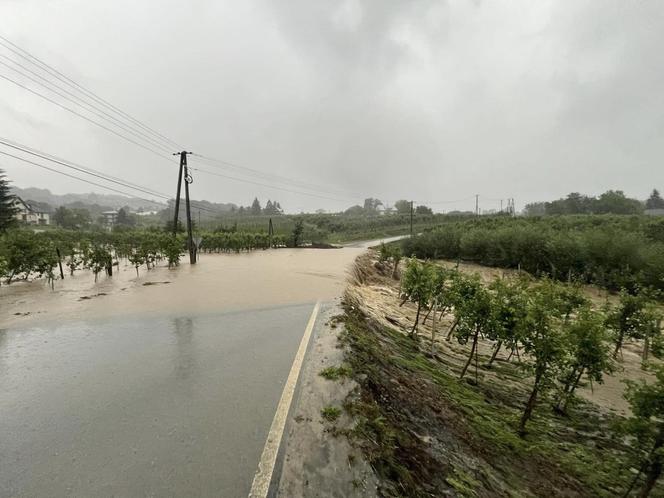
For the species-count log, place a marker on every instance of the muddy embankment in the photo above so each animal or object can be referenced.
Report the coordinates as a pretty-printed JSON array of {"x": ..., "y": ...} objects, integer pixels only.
[{"x": 427, "y": 433}]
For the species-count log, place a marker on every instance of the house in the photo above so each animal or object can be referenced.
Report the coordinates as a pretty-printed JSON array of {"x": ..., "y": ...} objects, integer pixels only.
[
  {"x": 110, "y": 218},
  {"x": 31, "y": 215}
]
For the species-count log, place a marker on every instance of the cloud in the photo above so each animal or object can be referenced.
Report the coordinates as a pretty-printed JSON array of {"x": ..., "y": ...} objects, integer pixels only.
[{"x": 430, "y": 100}]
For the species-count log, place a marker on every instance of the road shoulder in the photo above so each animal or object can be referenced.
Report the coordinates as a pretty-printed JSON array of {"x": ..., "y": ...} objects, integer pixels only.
[{"x": 317, "y": 461}]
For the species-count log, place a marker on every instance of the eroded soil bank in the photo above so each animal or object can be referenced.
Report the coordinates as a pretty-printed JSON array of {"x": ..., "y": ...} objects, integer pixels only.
[{"x": 426, "y": 433}]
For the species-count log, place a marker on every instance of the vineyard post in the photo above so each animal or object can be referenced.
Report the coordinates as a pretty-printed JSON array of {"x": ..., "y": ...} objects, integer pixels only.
[{"x": 57, "y": 251}]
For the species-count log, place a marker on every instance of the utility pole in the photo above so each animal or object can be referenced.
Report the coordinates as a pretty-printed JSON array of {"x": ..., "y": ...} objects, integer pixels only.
[
  {"x": 477, "y": 204},
  {"x": 411, "y": 219},
  {"x": 184, "y": 172},
  {"x": 501, "y": 206},
  {"x": 270, "y": 231},
  {"x": 183, "y": 165},
  {"x": 190, "y": 237}
]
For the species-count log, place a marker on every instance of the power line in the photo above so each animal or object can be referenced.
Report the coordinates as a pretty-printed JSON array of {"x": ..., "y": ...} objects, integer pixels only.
[
  {"x": 271, "y": 176},
  {"x": 94, "y": 173},
  {"x": 87, "y": 171},
  {"x": 80, "y": 102},
  {"x": 83, "y": 116},
  {"x": 75, "y": 177},
  {"x": 267, "y": 185},
  {"x": 132, "y": 131},
  {"x": 65, "y": 79},
  {"x": 160, "y": 141}
]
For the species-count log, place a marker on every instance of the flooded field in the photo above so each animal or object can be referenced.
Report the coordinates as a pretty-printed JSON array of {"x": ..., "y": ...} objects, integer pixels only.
[{"x": 218, "y": 281}]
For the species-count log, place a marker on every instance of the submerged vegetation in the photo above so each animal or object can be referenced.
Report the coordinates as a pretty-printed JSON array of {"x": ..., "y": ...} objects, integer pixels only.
[{"x": 28, "y": 254}]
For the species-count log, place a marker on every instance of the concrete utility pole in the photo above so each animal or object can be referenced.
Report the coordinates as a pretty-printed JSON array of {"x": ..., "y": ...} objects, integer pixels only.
[
  {"x": 411, "y": 219},
  {"x": 190, "y": 238},
  {"x": 184, "y": 171},
  {"x": 183, "y": 164},
  {"x": 477, "y": 204}
]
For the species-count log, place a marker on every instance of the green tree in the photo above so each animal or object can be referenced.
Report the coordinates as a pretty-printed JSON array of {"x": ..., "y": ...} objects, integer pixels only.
[
  {"x": 655, "y": 200},
  {"x": 509, "y": 312},
  {"x": 441, "y": 302},
  {"x": 256, "y": 207},
  {"x": 71, "y": 218},
  {"x": 354, "y": 210},
  {"x": 423, "y": 210},
  {"x": 647, "y": 425},
  {"x": 627, "y": 319},
  {"x": 7, "y": 209},
  {"x": 298, "y": 229},
  {"x": 544, "y": 343},
  {"x": 615, "y": 202},
  {"x": 588, "y": 350},
  {"x": 475, "y": 316},
  {"x": 125, "y": 219},
  {"x": 402, "y": 206},
  {"x": 416, "y": 286},
  {"x": 371, "y": 205}
]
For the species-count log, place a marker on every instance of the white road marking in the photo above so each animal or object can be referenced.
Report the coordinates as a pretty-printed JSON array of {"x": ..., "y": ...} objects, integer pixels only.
[{"x": 263, "y": 476}]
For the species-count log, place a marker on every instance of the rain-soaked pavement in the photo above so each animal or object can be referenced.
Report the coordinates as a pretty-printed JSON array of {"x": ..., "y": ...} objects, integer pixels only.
[
  {"x": 125, "y": 389},
  {"x": 171, "y": 406}
]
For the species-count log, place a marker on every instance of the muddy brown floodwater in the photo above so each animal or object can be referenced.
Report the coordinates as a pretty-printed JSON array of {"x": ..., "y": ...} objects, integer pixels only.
[
  {"x": 159, "y": 385},
  {"x": 219, "y": 281}
]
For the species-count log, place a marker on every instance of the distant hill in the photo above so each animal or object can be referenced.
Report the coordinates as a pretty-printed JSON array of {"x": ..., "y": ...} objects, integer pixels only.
[
  {"x": 113, "y": 201},
  {"x": 102, "y": 202}
]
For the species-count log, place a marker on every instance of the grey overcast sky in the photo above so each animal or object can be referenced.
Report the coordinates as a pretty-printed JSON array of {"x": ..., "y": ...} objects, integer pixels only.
[{"x": 429, "y": 100}]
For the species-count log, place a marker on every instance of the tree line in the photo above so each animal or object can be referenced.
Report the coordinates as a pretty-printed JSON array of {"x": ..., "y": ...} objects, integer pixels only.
[
  {"x": 610, "y": 202},
  {"x": 611, "y": 251}
]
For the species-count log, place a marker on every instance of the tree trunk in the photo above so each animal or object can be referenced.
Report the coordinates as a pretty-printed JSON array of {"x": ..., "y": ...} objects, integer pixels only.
[
  {"x": 472, "y": 350},
  {"x": 655, "y": 466},
  {"x": 395, "y": 270},
  {"x": 569, "y": 389},
  {"x": 499, "y": 344},
  {"x": 619, "y": 342},
  {"x": 451, "y": 331},
  {"x": 530, "y": 405},
  {"x": 433, "y": 329},
  {"x": 417, "y": 319},
  {"x": 424, "y": 320}
]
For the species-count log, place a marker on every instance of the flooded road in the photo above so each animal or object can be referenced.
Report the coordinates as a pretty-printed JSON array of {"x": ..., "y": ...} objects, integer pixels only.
[{"x": 168, "y": 389}]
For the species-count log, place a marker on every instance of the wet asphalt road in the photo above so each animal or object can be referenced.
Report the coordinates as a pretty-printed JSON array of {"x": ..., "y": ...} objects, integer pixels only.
[{"x": 142, "y": 405}]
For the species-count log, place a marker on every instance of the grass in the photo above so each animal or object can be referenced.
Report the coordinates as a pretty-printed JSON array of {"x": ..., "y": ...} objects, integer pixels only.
[
  {"x": 336, "y": 373},
  {"x": 330, "y": 413}
]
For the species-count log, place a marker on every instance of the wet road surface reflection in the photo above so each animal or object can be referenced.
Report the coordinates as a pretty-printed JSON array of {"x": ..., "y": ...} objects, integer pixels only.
[{"x": 142, "y": 405}]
